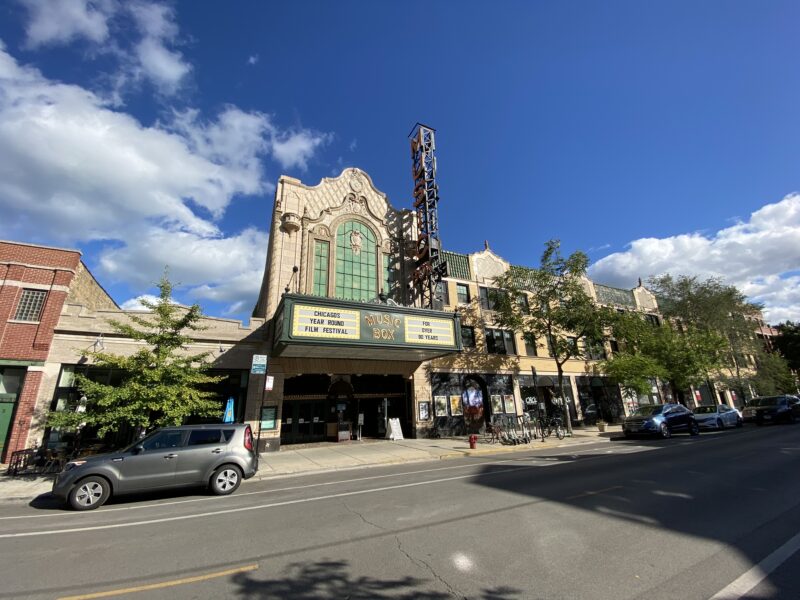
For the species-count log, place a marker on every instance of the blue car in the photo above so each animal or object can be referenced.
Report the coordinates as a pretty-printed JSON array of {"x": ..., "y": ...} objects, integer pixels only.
[{"x": 660, "y": 419}]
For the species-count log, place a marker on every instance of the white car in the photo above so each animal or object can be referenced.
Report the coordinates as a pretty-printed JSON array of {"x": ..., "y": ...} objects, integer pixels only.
[{"x": 718, "y": 416}]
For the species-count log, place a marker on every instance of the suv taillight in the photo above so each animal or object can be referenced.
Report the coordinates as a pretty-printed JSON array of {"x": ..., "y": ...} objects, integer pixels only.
[{"x": 248, "y": 438}]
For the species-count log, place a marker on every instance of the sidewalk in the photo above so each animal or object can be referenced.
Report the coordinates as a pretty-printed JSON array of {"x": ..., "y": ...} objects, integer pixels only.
[{"x": 330, "y": 456}]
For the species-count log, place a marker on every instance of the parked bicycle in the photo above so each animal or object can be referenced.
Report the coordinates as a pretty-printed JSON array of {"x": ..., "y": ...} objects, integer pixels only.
[{"x": 552, "y": 426}]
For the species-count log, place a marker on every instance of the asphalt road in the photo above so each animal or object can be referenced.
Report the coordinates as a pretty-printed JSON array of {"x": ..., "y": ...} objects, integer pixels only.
[{"x": 715, "y": 516}]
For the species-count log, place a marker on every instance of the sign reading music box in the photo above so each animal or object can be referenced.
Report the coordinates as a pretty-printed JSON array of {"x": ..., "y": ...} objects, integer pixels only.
[{"x": 306, "y": 325}]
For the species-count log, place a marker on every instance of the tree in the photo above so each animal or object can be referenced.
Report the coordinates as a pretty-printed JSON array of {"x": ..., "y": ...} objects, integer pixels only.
[
  {"x": 773, "y": 375},
  {"x": 788, "y": 343},
  {"x": 712, "y": 307},
  {"x": 649, "y": 351},
  {"x": 161, "y": 385},
  {"x": 558, "y": 307},
  {"x": 634, "y": 366}
]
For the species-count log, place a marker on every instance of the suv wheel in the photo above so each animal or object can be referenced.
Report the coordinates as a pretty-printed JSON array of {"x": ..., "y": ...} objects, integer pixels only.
[
  {"x": 89, "y": 493},
  {"x": 226, "y": 480},
  {"x": 664, "y": 431}
]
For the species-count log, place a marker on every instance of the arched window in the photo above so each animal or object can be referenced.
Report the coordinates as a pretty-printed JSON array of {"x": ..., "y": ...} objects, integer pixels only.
[{"x": 356, "y": 262}]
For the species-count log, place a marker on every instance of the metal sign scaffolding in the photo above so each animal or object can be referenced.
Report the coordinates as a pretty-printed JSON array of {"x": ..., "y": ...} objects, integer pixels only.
[{"x": 428, "y": 266}]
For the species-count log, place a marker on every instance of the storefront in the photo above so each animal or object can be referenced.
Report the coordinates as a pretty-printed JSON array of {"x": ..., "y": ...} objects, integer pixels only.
[
  {"x": 598, "y": 395},
  {"x": 11, "y": 380},
  {"x": 543, "y": 389},
  {"x": 348, "y": 365}
]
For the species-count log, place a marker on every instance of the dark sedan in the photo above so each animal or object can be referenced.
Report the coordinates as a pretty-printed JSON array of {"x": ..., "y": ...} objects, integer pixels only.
[
  {"x": 772, "y": 409},
  {"x": 660, "y": 419}
]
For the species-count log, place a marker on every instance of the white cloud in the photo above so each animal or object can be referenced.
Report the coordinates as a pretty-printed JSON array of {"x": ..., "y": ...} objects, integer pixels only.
[
  {"x": 137, "y": 303},
  {"x": 223, "y": 269},
  {"x": 166, "y": 68},
  {"x": 74, "y": 170},
  {"x": 252, "y": 59},
  {"x": 150, "y": 56},
  {"x": 296, "y": 148},
  {"x": 54, "y": 22},
  {"x": 760, "y": 256}
]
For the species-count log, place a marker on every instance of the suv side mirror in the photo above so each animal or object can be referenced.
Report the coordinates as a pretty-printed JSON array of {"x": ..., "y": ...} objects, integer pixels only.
[{"x": 138, "y": 449}]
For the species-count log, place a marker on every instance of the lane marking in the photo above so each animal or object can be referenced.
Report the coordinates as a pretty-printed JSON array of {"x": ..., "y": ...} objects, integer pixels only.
[
  {"x": 739, "y": 587},
  {"x": 596, "y": 492},
  {"x": 163, "y": 584},
  {"x": 246, "y": 508},
  {"x": 286, "y": 489}
]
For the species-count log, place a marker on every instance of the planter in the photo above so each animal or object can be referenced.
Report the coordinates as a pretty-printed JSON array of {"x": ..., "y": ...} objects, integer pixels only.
[{"x": 601, "y": 426}]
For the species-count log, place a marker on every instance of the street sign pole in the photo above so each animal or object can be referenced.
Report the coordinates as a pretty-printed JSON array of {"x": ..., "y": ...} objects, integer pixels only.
[{"x": 259, "y": 367}]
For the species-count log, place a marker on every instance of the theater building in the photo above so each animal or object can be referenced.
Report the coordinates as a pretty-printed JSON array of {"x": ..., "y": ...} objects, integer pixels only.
[
  {"x": 346, "y": 342},
  {"x": 351, "y": 351}
]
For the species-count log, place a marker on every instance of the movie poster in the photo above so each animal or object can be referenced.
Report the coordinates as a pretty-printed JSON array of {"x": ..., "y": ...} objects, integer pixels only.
[
  {"x": 511, "y": 407},
  {"x": 440, "y": 406},
  {"x": 497, "y": 404},
  {"x": 455, "y": 406}
]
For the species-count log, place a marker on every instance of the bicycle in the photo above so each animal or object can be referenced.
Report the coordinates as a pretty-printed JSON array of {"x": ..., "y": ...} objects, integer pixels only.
[{"x": 552, "y": 426}]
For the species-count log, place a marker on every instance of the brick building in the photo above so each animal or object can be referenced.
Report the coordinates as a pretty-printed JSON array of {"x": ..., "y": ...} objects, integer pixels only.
[{"x": 35, "y": 282}]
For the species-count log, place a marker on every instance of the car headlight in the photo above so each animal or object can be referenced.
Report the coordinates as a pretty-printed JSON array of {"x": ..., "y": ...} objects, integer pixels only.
[{"x": 73, "y": 464}]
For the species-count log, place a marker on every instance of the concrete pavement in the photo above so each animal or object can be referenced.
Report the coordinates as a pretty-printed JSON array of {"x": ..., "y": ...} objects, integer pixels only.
[{"x": 331, "y": 456}]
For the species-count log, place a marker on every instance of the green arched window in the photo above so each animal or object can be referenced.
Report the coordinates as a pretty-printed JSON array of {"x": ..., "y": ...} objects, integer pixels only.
[{"x": 356, "y": 262}]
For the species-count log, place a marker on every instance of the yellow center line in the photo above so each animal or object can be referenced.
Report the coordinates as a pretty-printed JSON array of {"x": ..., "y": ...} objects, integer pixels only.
[
  {"x": 616, "y": 487},
  {"x": 163, "y": 584}
]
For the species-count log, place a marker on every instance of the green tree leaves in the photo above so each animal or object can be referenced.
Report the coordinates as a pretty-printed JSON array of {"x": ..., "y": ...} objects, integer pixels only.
[{"x": 162, "y": 383}]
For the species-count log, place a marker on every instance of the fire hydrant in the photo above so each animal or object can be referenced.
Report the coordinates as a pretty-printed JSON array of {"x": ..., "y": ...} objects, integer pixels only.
[{"x": 473, "y": 441}]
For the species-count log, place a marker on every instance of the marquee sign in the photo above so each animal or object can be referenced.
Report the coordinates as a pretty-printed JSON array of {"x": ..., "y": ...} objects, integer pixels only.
[
  {"x": 325, "y": 323},
  {"x": 328, "y": 323}
]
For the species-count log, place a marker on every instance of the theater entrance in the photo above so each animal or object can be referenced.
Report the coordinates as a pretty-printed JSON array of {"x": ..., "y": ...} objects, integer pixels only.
[{"x": 347, "y": 401}]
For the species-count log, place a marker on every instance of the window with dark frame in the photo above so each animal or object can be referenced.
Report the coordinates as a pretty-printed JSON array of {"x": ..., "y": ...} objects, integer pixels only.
[
  {"x": 653, "y": 320},
  {"x": 462, "y": 290},
  {"x": 30, "y": 305},
  {"x": 486, "y": 301},
  {"x": 594, "y": 351},
  {"x": 499, "y": 341},
  {"x": 444, "y": 292},
  {"x": 530, "y": 344},
  {"x": 468, "y": 336},
  {"x": 522, "y": 301}
]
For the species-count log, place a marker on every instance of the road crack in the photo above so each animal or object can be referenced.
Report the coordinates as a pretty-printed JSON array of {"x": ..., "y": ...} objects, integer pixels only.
[
  {"x": 363, "y": 518},
  {"x": 419, "y": 562}
]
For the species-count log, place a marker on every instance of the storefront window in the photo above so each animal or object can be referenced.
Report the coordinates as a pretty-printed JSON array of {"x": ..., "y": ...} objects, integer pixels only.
[{"x": 11, "y": 381}]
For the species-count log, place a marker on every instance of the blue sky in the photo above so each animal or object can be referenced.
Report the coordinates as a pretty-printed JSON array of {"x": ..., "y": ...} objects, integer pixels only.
[{"x": 656, "y": 137}]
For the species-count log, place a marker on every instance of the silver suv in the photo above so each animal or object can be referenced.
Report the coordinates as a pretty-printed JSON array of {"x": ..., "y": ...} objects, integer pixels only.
[{"x": 218, "y": 456}]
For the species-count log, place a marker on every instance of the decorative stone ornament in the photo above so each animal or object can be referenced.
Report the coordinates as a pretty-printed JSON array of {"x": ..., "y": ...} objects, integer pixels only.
[
  {"x": 356, "y": 183},
  {"x": 355, "y": 242}
]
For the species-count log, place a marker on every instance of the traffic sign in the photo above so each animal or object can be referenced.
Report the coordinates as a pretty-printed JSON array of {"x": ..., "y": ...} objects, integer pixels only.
[{"x": 259, "y": 366}]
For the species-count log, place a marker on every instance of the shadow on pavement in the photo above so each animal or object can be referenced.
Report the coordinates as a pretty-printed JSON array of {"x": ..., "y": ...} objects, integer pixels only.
[
  {"x": 694, "y": 489},
  {"x": 331, "y": 579}
]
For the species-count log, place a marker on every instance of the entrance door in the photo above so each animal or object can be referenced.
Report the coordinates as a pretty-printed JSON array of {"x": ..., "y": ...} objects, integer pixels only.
[
  {"x": 303, "y": 421},
  {"x": 6, "y": 412}
]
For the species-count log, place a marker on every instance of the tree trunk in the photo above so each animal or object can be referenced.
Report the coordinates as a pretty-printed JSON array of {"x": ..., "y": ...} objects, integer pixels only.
[{"x": 565, "y": 407}]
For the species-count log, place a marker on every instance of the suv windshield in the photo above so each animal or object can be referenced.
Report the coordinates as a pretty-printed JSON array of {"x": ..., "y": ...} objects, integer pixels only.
[
  {"x": 704, "y": 410},
  {"x": 647, "y": 410}
]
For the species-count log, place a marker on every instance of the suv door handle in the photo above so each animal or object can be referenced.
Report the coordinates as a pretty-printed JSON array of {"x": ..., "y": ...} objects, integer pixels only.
[
  {"x": 217, "y": 450},
  {"x": 171, "y": 456}
]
